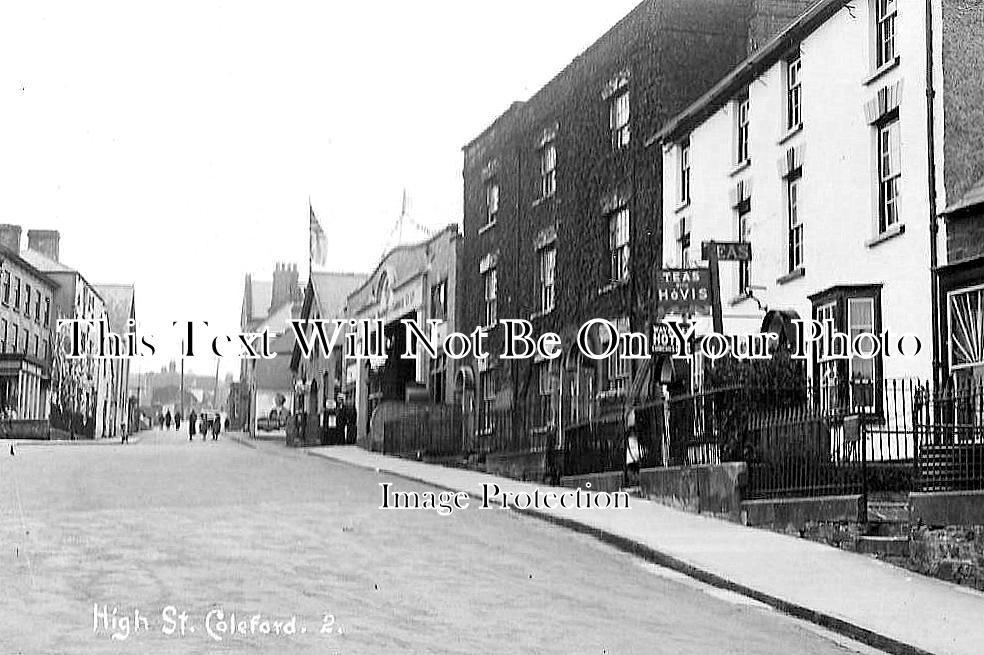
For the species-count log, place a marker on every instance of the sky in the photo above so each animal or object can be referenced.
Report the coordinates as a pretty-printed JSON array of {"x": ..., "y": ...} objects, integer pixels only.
[{"x": 175, "y": 145}]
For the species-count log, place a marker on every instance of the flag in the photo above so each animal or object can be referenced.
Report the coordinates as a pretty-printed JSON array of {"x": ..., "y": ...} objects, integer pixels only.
[{"x": 318, "y": 242}]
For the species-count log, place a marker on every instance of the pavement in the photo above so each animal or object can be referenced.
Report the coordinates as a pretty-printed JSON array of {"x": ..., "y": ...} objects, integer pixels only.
[
  {"x": 167, "y": 526},
  {"x": 856, "y": 595}
]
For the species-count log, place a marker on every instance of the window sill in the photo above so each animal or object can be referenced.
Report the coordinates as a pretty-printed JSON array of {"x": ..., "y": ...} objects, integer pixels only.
[
  {"x": 890, "y": 233},
  {"x": 542, "y": 199},
  {"x": 739, "y": 167},
  {"x": 541, "y": 313},
  {"x": 612, "y": 286},
  {"x": 881, "y": 70},
  {"x": 739, "y": 299},
  {"x": 681, "y": 206},
  {"x": 794, "y": 274},
  {"x": 485, "y": 228},
  {"x": 611, "y": 393},
  {"x": 790, "y": 134}
]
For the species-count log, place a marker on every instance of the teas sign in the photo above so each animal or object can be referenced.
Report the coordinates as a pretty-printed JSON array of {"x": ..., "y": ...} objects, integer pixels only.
[
  {"x": 727, "y": 251},
  {"x": 683, "y": 291}
]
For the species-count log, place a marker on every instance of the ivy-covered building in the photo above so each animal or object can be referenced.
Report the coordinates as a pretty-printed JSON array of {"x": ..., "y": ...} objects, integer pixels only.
[{"x": 562, "y": 216}]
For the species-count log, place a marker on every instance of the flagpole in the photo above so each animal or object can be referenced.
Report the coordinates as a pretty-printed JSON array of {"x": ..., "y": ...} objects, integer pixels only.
[{"x": 310, "y": 254}]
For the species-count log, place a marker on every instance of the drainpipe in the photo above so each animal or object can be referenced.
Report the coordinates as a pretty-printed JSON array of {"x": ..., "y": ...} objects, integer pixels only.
[{"x": 933, "y": 219}]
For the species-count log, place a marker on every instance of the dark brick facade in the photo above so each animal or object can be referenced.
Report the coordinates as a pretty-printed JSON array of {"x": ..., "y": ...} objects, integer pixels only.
[
  {"x": 963, "y": 96},
  {"x": 666, "y": 53},
  {"x": 965, "y": 235}
]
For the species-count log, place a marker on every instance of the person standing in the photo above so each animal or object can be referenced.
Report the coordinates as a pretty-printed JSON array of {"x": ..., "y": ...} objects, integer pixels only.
[
  {"x": 177, "y": 422},
  {"x": 216, "y": 427},
  {"x": 167, "y": 420},
  {"x": 192, "y": 422}
]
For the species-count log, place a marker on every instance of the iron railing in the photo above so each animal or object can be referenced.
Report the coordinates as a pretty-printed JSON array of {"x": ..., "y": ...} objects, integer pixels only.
[{"x": 434, "y": 431}]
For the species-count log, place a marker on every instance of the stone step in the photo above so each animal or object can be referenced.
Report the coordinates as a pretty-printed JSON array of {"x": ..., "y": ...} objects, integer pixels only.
[
  {"x": 885, "y": 529},
  {"x": 888, "y": 511},
  {"x": 883, "y": 546}
]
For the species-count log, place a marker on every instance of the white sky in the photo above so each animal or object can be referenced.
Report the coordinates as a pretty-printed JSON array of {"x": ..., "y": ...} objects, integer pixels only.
[{"x": 175, "y": 145}]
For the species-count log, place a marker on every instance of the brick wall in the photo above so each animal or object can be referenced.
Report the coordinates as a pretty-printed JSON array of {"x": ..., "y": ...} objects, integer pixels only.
[
  {"x": 673, "y": 51},
  {"x": 965, "y": 236}
]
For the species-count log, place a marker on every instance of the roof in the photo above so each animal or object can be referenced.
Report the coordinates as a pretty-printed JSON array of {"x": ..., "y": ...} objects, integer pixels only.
[
  {"x": 256, "y": 298},
  {"x": 974, "y": 197},
  {"x": 44, "y": 263},
  {"x": 404, "y": 247},
  {"x": 47, "y": 265},
  {"x": 332, "y": 289},
  {"x": 747, "y": 71},
  {"x": 8, "y": 254},
  {"x": 118, "y": 299}
]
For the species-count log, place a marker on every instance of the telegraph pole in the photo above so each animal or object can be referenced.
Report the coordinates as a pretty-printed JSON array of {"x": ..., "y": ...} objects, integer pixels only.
[
  {"x": 215, "y": 387},
  {"x": 181, "y": 394}
]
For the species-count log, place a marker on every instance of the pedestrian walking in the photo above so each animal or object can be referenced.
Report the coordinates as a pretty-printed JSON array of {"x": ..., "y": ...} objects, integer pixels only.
[
  {"x": 124, "y": 435},
  {"x": 167, "y": 420},
  {"x": 204, "y": 427},
  {"x": 216, "y": 427},
  {"x": 192, "y": 423},
  {"x": 177, "y": 422}
]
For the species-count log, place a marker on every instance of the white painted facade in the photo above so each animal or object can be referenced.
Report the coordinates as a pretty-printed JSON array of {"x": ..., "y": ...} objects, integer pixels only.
[{"x": 838, "y": 191}]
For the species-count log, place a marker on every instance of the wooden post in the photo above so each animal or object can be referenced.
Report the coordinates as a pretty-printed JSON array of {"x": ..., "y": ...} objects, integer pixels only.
[{"x": 715, "y": 281}]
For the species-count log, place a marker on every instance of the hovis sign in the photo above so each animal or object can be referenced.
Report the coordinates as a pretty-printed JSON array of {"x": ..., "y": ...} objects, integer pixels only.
[{"x": 683, "y": 291}]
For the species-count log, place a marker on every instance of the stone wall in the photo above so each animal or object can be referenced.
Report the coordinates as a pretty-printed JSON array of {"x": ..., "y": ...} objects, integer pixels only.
[
  {"x": 947, "y": 536},
  {"x": 715, "y": 490}
]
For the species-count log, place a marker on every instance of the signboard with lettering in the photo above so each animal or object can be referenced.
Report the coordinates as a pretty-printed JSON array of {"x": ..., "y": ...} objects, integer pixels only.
[
  {"x": 683, "y": 291},
  {"x": 664, "y": 341},
  {"x": 727, "y": 251}
]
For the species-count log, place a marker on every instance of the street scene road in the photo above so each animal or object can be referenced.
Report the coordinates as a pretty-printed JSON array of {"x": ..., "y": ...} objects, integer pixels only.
[{"x": 253, "y": 528}]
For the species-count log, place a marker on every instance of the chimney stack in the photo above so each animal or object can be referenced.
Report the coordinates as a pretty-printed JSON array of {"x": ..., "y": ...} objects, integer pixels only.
[
  {"x": 45, "y": 242},
  {"x": 285, "y": 285},
  {"x": 10, "y": 236}
]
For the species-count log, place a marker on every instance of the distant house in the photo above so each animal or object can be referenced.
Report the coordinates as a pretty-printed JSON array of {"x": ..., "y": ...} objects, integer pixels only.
[
  {"x": 121, "y": 310},
  {"x": 319, "y": 379},
  {"x": 269, "y": 306},
  {"x": 25, "y": 337}
]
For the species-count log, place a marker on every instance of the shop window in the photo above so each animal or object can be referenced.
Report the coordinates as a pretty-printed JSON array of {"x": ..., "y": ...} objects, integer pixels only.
[{"x": 848, "y": 385}]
